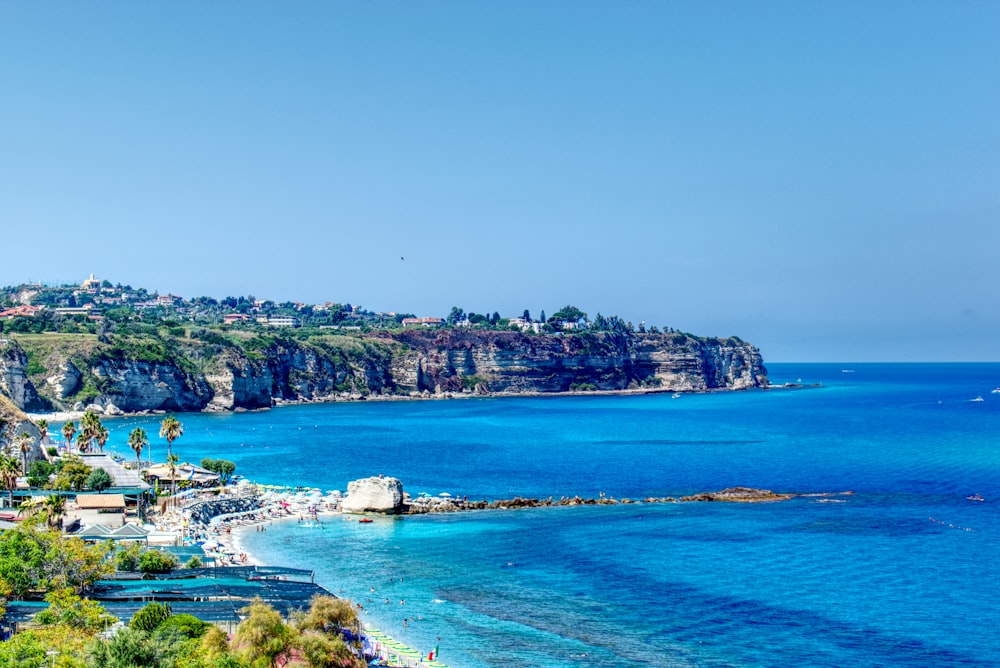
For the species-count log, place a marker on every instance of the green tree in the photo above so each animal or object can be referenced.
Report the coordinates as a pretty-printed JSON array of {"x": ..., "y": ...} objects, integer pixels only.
[
  {"x": 263, "y": 636},
  {"x": 129, "y": 648},
  {"x": 148, "y": 617},
  {"x": 43, "y": 428},
  {"x": 568, "y": 314},
  {"x": 324, "y": 651},
  {"x": 72, "y": 476},
  {"x": 99, "y": 480},
  {"x": 171, "y": 429},
  {"x": 23, "y": 444},
  {"x": 90, "y": 429},
  {"x": 9, "y": 469},
  {"x": 66, "y": 607},
  {"x": 68, "y": 431},
  {"x": 137, "y": 440},
  {"x": 101, "y": 436},
  {"x": 329, "y": 614},
  {"x": 31, "y": 648},
  {"x": 156, "y": 561},
  {"x": 39, "y": 472},
  {"x": 172, "y": 467},
  {"x": 54, "y": 507}
]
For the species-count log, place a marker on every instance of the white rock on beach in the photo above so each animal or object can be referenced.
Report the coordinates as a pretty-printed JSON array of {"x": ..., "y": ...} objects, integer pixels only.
[{"x": 378, "y": 495}]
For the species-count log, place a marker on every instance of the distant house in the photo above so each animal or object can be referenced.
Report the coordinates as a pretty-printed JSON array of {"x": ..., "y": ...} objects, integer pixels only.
[
  {"x": 526, "y": 325},
  {"x": 86, "y": 309},
  {"x": 167, "y": 300},
  {"x": 278, "y": 320},
  {"x": 20, "y": 311},
  {"x": 230, "y": 318},
  {"x": 423, "y": 322}
]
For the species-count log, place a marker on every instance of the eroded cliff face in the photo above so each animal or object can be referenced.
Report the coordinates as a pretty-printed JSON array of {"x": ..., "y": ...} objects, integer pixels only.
[
  {"x": 14, "y": 382},
  {"x": 427, "y": 362},
  {"x": 445, "y": 360}
]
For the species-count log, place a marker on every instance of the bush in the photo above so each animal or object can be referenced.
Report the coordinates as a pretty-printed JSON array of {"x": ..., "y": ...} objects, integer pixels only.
[
  {"x": 194, "y": 562},
  {"x": 150, "y": 616},
  {"x": 127, "y": 559},
  {"x": 155, "y": 561},
  {"x": 187, "y": 626}
]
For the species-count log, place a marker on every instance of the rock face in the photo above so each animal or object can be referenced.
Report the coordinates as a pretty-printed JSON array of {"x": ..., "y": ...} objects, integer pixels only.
[
  {"x": 13, "y": 423},
  {"x": 376, "y": 495},
  {"x": 194, "y": 375},
  {"x": 14, "y": 381},
  {"x": 445, "y": 360}
]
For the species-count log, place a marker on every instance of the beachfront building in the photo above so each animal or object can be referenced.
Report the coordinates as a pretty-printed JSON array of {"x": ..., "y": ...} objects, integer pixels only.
[
  {"x": 104, "y": 509},
  {"x": 231, "y": 318},
  {"x": 195, "y": 476}
]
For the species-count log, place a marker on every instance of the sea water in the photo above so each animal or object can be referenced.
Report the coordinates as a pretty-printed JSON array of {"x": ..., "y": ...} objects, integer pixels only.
[{"x": 903, "y": 572}]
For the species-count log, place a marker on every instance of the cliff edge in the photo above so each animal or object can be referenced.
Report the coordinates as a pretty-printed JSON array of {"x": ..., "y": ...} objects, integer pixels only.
[{"x": 206, "y": 371}]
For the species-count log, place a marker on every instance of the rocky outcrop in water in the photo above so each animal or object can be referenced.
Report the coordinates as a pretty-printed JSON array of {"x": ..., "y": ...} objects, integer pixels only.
[
  {"x": 194, "y": 374},
  {"x": 424, "y": 505},
  {"x": 375, "y": 495}
]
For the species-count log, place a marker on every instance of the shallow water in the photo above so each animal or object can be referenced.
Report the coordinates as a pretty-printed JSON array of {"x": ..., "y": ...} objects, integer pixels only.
[{"x": 901, "y": 573}]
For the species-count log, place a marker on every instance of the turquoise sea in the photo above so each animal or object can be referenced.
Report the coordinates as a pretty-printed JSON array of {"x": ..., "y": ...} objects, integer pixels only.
[{"x": 904, "y": 572}]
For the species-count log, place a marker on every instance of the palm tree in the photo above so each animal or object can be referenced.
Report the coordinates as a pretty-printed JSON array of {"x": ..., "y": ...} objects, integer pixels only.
[
  {"x": 138, "y": 440},
  {"x": 90, "y": 427},
  {"x": 172, "y": 460},
  {"x": 82, "y": 442},
  {"x": 9, "y": 469},
  {"x": 102, "y": 436},
  {"x": 170, "y": 429},
  {"x": 43, "y": 429},
  {"x": 23, "y": 444},
  {"x": 55, "y": 508},
  {"x": 68, "y": 431}
]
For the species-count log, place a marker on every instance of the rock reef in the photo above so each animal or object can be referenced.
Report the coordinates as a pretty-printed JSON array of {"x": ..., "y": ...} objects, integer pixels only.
[{"x": 423, "y": 505}]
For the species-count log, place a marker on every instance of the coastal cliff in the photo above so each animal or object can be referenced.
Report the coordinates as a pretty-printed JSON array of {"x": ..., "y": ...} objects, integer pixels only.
[{"x": 201, "y": 371}]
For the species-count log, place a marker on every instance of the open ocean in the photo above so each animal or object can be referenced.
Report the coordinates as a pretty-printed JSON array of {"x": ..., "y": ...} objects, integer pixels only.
[{"x": 905, "y": 572}]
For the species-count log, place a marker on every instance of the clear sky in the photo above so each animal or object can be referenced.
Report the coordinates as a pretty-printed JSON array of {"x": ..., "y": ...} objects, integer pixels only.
[{"x": 819, "y": 178}]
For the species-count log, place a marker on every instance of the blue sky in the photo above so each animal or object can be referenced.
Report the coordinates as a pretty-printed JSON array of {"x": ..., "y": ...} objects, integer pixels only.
[{"x": 822, "y": 179}]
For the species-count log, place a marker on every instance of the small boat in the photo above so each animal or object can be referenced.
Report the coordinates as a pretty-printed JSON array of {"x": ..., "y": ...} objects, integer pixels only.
[
  {"x": 366, "y": 520},
  {"x": 675, "y": 395},
  {"x": 995, "y": 390},
  {"x": 975, "y": 497},
  {"x": 977, "y": 399}
]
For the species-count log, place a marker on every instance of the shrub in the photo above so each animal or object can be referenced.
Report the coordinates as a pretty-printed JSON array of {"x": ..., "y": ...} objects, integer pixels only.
[
  {"x": 184, "y": 625},
  {"x": 150, "y": 616},
  {"x": 155, "y": 561}
]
